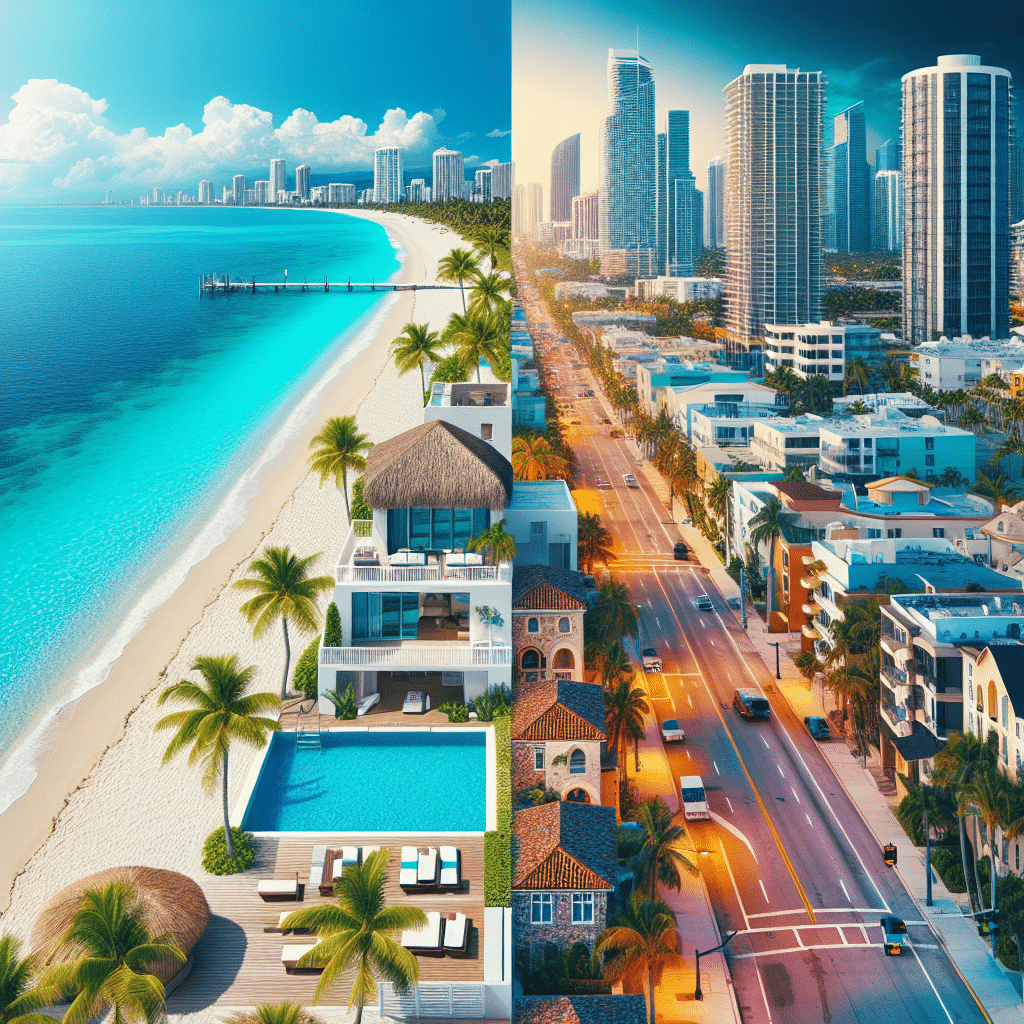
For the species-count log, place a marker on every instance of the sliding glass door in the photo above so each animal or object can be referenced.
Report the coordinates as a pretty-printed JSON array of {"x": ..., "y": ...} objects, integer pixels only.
[{"x": 378, "y": 616}]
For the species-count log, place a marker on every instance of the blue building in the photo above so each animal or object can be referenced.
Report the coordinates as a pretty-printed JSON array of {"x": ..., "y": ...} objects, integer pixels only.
[
  {"x": 680, "y": 202},
  {"x": 850, "y": 187}
]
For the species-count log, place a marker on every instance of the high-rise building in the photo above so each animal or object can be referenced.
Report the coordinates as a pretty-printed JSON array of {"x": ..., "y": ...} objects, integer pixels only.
[
  {"x": 158, "y": 196},
  {"x": 888, "y": 229},
  {"x": 716, "y": 203},
  {"x": 502, "y": 181},
  {"x": 628, "y": 174},
  {"x": 565, "y": 177},
  {"x": 1017, "y": 259},
  {"x": 414, "y": 190},
  {"x": 482, "y": 185},
  {"x": 680, "y": 202},
  {"x": 956, "y": 200},
  {"x": 203, "y": 194},
  {"x": 342, "y": 193},
  {"x": 773, "y": 204},
  {"x": 227, "y": 195},
  {"x": 889, "y": 156},
  {"x": 108, "y": 198},
  {"x": 302, "y": 180},
  {"x": 527, "y": 210},
  {"x": 1017, "y": 176},
  {"x": 388, "y": 181},
  {"x": 449, "y": 174},
  {"x": 850, "y": 211},
  {"x": 262, "y": 190},
  {"x": 276, "y": 179},
  {"x": 238, "y": 189}
]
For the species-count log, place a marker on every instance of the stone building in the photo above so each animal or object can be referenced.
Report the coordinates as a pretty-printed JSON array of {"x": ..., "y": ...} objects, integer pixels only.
[{"x": 548, "y": 605}]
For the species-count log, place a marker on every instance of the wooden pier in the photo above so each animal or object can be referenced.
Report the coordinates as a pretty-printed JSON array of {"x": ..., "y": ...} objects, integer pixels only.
[{"x": 222, "y": 284}]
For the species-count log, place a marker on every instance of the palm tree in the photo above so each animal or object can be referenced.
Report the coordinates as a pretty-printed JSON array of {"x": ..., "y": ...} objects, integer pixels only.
[
  {"x": 478, "y": 340},
  {"x": 807, "y": 665},
  {"x": 991, "y": 803},
  {"x": 360, "y": 933},
  {"x": 613, "y": 664},
  {"x": 997, "y": 487},
  {"x": 533, "y": 458},
  {"x": 642, "y": 941},
  {"x": 220, "y": 712},
  {"x": 416, "y": 345},
  {"x": 285, "y": 592},
  {"x": 488, "y": 239},
  {"x": 719, "y": 497},
  {"x": 858, "y": 373},
  {"x": 659, "y": 860},
  {"x": 339, "y": 448},
  {"x": 766, "y": 526},
  {"x": 952, "y": 478},
  {"x": 624, "y": 710},
  {"x": 275, "y": 1013},
  {"x": 593, "y": 543},
  {"x": 18, "y": 999},
  {"x": 457, "y": 266},
  {"x": 973, "y": 419},
  {"x": 615, "y": 614},
  {"x": 116, "y": 949},
  {"x": 858, "y": 409},
  {"x": 502, "y": 545},
  {"x": 488, "y": 292}
]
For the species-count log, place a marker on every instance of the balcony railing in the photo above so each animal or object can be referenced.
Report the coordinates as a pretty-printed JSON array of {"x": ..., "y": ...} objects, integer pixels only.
[
  {"x": 422, "y": 573},
  {"x": 417, "y": 655}
]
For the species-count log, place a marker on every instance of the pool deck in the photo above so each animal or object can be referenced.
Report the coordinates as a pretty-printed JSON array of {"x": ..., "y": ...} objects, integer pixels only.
[{"x": 237, "y": 964}]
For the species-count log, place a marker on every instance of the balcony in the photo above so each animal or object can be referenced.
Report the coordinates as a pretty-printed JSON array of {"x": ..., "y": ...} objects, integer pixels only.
[
  {"x": 417, "y": 655},
  {"x": 810, "y": 609},
  {"x": 808, "y": 582},
  {"x": 896, "y": 717}
]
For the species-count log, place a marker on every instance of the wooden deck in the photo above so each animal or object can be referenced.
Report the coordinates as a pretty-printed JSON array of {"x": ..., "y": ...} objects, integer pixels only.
[{"x": 236, "y": 963}]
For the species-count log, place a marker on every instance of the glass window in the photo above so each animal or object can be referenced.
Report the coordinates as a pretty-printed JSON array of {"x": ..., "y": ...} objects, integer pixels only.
[
  {"x": 419, "y": 528},
  {"x": 530, "y": 659},
  {"x": 540, "y": 908},
  {"x": 398, "y": 529},
  {"x": 577, "y": 762},
  {"x": 462, "y": 527},
  {"x": 538, "y": 760},
  {"x": 486, "y": 430},
  {"x": 1005, "y": 704},
  {"x": 938, "y": 531},
  {"x": 873, "y": 534},
  {"x": 385, "y": 616},
  {"x": 441, "y": 524},
  {"x": 582, "y": 907},
  {"x": 533, "y": 624},
  {"x": 563, "y": 624}
]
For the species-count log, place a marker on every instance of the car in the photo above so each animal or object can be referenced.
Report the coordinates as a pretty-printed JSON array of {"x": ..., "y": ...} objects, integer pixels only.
[
  {"x": 602, "y": 484},
  {"x": 671, "y": 732},
  {"x": 894, "y": 933},
  {"x": 607, "y": 421},
  {"x": 574, "y": 423},
  {"x": 694, "y": 799},
  {"x": 702, "y": 603},
  {"x": 630, "y": 480},
  {"x": 750, "y": 704},
  {"x": 650, "y": 660},
  {"x": 416, "y": 703},
  {"x": 817, "y": 727},
  {"x": 734, "y": 603},
  {"x": 680, "y": 552}
]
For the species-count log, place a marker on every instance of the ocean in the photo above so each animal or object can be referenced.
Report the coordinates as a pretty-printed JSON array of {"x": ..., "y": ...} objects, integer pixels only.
[{"x": 134, "y": 415}]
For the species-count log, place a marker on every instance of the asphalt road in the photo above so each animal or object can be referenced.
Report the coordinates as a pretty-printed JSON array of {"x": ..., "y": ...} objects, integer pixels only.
[{"x": 788, "y": 861}]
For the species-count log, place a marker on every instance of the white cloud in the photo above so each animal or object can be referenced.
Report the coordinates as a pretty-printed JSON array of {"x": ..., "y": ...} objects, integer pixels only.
[
  {"x": 57, "y": 134},
  {"x": 497, "y": 133}
]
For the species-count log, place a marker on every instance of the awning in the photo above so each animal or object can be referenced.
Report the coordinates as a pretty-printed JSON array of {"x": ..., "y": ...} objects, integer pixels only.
[
  {"x": 808, "y": 582},
  {"x": 919, "y": 745},
  {"x": 810, "y": 632},
  {"x": 810, "y": 609}
]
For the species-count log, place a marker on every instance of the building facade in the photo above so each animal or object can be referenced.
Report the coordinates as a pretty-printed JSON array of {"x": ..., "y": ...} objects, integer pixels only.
[
  {"x": 680, "y": 202},
  {"x": 888, "y": 227},
  {"x": 302, "y": 180},
  {"x": 565, "y": 178},
  {"x": 388, "y": 182},
  {"x": 482, "y": 185},
  {"x": 277, "y": 185},
  {"x": 807, "y": 349},
  {"x": 956, "y": 129},
  {"x": 503, "y": 180},
  {"x": 850, "y": 191},
  {"x": 715, "y": 219},
  {"x": 203, "y": 194},
  {"x": 773, "y": 203},
  {"x": 449, "y": 174}
]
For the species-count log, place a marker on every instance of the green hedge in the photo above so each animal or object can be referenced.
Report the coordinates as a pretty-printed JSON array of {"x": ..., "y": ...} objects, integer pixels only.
[
  {"x": 498, "y": 843},
  {"x": 215, "y": 852},
  {"x": 306, "y": 670},
  {"x": 949, "y": 867}
]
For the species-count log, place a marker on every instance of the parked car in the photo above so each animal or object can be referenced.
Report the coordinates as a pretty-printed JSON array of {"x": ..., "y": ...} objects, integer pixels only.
[
  {"x": 650, "y": 659},
  {"x": 602, "y": 484},
  {"x": 695, "y": 801},
  {"x": 671, "y": 732},
  {"x": 817, "y": 727},
  {"x": 680, "y": 552},
  {"x": 702, "y": 603}
]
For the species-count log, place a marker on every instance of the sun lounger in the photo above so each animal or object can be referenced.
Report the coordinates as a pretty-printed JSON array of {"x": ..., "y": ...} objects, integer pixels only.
[
  {"x": 366, "y": 703},
  {"x": 451, "y": 868},
  {"x": 408, "y": 870},
  {"x": 279, "y": 889},
  {"x": 456, "y": 935},
  {"x": 335, "y": 862},
  {"x": 428, "y": 870},
  {"x": 279, "y": 927},
  {"x": 426, "y": 941},
  {"x": 294, "y": 951}
]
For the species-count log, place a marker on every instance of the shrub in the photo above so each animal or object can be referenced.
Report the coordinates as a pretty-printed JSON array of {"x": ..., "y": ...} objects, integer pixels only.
[
  {"x": 540, "y": 795},
  {"x": 306, "y": 668},
  {"x": 947, "y": 865},
  {"x": 497, "y": 869},
  {"x": 344, "y": 703},
  {"x": 503, "y": 766},
  {"x": 360, "y": 510},
  {"x": 215, "y": 852},
  {"x": 495, "y": 703},
  {"x": 332, "y": 626},
  {"x": 455, "y": 710}
]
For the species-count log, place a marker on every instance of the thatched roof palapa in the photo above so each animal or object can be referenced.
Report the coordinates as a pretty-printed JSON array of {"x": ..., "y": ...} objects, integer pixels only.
[
  {"x": 173, "y": 905},
  {"x": 437, "y": 465}
]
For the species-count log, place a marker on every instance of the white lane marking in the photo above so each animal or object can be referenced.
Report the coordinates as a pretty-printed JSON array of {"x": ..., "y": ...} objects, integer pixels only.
[
  {"x": 690, "y": 699},
  {"x": 715, "y": 763},
  {"x": 735, "y": 888},
  {"x": 658, "y": 621},
  {"x": 932, "y": 983},
  {"x": 796, "y": 794},
  {"x": 712, "y": 642},
  {"x": 765, "y": 891},
  {"x": 804, "y": 949},
  {"x": 781, "y": 772},
  {"x": 845, "y": 893},
  {"x": 729, "y": 802},
  {"x": 799, "y": 941},
  {"x": 808, "y": 817},
  {"x": 842, "y": 935},
  {"x": 687, "y": 755},
  {"x": 765, "y": 742},
  {"x": 730, "y": 827},
  {"x": 764, "y": 995}
]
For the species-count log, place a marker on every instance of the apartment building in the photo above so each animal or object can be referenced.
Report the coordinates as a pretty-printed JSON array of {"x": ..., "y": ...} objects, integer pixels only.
[{"x": 960, "y": 363}]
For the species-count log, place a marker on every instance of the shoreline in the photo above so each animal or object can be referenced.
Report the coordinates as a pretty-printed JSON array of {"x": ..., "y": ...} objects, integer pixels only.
[{"x": 83, "y": 733}]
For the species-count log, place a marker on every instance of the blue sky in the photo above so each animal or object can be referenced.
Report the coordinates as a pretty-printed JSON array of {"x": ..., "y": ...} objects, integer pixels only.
[
  {"x": 320, "y": 83},
  {"x": 863, "y": 47}
]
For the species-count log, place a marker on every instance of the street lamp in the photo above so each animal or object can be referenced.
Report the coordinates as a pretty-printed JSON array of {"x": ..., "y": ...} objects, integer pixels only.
[
  {"x": 697, "y": 993},
  {"x": 775, "y": 644}
]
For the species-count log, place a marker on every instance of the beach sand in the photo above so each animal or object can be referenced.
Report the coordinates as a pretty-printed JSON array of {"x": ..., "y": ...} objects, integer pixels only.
[{"x": 102, "y": 798}]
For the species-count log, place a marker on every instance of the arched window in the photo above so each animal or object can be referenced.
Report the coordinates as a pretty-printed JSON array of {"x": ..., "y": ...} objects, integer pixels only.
[
  {"x": 533, "y": 624},
  {"x": 1000, "y": 528},
  {"x": 563, "y": 625},
  {"x": 577, "y": 796},
  {"x": 992, "y": 713},
  {"x": 564, "y": 659},
  {"x": 577, "y": 762},
  {"x": 530, "y": 659}
]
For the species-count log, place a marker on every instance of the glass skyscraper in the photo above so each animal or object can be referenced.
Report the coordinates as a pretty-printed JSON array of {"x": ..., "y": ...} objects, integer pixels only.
[
  {"x": 716, "y": 202},
  {"x": 680, "y": 202},
  {"x": 850, "y": 192},
  {"x": 956, "y": 200},
  {"x": 627, "y": 201},
  {"x": 565, "y": 178},
  {"x": 773, "y": 203},
  {"x": 449, "y": 172},
  {"x": 276, "y": 179}
]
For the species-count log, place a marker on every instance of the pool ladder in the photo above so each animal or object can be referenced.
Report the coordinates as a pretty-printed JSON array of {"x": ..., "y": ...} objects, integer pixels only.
[{"x": 307, "y": 735}]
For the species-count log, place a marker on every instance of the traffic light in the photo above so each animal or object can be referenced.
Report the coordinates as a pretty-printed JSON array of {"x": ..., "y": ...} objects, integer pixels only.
[
  {"x": 889, "y": 853},
  {"x": 988, "y": 923}
]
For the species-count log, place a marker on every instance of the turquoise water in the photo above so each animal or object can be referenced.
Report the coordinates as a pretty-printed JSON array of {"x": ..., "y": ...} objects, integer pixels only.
[
  {"x": 134, "y": 412},
  {"x": 390, "y": 781}
]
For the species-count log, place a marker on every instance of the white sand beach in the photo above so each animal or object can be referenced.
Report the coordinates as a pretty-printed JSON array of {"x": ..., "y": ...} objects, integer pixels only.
[{"x": 102, "y": 797}]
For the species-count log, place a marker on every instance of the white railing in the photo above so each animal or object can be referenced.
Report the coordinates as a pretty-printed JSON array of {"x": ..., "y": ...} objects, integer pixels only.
[
  {"x": 413, "y": 655},
  {"x": 421, "y": 573},
  {"x": 436, "y": 999}
]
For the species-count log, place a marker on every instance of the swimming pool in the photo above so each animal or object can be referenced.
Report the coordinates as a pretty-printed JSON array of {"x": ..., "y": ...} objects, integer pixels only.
[{"x": 395, "y": 780}]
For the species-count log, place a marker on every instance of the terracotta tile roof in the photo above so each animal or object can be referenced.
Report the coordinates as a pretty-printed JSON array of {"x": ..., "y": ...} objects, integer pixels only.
[
  {"x": 543, "y": 588},
  {"x": 581, "y": 1010},
  {"x": 559, "y": 709},
  {"x": 565, "y": 846}
]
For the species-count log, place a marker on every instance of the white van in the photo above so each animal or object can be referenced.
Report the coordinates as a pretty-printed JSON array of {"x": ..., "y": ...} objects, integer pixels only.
[{"x": 695, "y": 803}]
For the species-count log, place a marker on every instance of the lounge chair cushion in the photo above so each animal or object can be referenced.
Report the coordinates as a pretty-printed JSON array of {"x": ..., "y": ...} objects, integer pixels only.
[
  {"x": 410, "y": 864},
  {"x": 449, "y": 865},
  {"x": 427, "y": 937},
  {"x": 427, "y": 868},
  {"x": 455, "y": 932},
  {"x": 277, "y": 886},
  {"x": 292, "y": 952}
]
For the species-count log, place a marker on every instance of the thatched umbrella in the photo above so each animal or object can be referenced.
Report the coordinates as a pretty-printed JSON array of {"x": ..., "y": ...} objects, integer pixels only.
[
  {"x": 437, "y": 465},
  {"x": 173, "y": 905}
]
